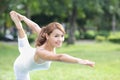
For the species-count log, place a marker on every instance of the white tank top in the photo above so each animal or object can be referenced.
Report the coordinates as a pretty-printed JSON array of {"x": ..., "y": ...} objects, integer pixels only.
[{"x": 26, "y": 60}]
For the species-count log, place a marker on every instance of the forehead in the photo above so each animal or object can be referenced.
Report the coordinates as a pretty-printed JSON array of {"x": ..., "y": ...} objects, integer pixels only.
[{"x": 57, "y": 31}]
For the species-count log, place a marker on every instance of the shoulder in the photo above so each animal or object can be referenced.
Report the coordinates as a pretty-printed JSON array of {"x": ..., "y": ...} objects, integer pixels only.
[{"x": 41, "y": 52}]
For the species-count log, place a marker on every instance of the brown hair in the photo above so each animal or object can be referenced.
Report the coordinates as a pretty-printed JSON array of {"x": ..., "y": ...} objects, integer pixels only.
[{"x": 48, "y": 29}]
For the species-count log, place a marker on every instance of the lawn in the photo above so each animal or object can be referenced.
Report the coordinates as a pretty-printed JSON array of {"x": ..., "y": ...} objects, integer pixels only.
[{"x": 106, "y": 55}]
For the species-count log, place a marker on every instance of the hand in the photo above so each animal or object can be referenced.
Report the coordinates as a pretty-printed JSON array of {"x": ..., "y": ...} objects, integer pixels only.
[
  {"x": 87, "y": 62},
  {"x": 14, "y": 16},
  {"x": 15, "y": 19},
  {"x": 21, "y": 17}
]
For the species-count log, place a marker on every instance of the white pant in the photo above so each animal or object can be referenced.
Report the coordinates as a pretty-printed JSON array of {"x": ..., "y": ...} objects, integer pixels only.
[{"x": 21, "y": 73}]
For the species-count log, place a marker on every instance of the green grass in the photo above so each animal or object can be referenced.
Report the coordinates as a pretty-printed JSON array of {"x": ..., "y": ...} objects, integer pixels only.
[{"x": 106, "y": 55}]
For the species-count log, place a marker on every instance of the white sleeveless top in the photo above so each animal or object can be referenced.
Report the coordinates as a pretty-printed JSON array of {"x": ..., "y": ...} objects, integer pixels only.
[{"x": 25, "y": 61}]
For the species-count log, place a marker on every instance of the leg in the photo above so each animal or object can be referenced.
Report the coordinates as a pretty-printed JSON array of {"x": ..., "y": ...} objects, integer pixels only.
[
  {"x": 20, "y": 72},
  {"x": 23, "y": 43},
  {"x": 22, "y": 38},
  {"x": 18, "y": 24},
  {"x": 22, "y": 75},
  {"x": 21, "y": 33}
]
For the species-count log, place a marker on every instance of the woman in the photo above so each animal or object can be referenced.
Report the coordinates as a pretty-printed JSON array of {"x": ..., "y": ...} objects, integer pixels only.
[{"x": 40, "y": 57}]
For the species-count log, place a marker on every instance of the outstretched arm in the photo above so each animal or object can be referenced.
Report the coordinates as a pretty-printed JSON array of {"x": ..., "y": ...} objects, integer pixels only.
[
  {"x": 35, "y": 27},
  {"x": 63, "y": 58}
]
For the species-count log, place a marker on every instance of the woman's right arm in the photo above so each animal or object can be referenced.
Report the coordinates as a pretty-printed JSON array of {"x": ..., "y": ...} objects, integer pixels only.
[{"x": 35, "y": 27}]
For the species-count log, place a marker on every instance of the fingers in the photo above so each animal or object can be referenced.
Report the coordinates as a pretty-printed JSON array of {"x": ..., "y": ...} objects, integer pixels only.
[
  {"x": 15, "y": 15},
  {"x": 12, "y": 12},
  {"x": 89, "y": 63},
  {"x": 19, "y": 16},
  {"x": 92, "y": 64},
  {"x": 12, "y": 15}
]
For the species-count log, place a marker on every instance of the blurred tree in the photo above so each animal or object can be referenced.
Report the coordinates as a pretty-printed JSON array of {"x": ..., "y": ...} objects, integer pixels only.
[
  {"x": 4, "y": 11},
  {"x": 102, "y": 14},
  {"x": 108, "y": 19},
  {"x": 72, "y": 15},
  {"x": 114, "y": 10},
  {"x": 22, "y": 6},
  {"x": 91, "y": 10}
]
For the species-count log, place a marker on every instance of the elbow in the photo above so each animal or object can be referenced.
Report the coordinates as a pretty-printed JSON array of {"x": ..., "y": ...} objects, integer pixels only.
[
  {"x": 57, "y": 57},
  {"x": 61, "y": 57}
]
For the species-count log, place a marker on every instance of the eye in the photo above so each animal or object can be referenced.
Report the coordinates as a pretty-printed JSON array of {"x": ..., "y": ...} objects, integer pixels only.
[
  {"x": 62, "y": 35},
  {"x": 56, "y": 35}
]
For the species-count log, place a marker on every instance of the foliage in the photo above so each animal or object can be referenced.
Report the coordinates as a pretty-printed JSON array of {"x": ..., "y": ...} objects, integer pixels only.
[
  {"x": 90, "y": 34},
  {"x": 100, "y": 38},
  {"x": 114, "y": 37},
  {"x": 98, "y": 14},
  {"x": 103, "y": 33},
  {"x": 77, "y": 35},
  {"x": 1, "y": 36},
  {"x": 32, "y": 38}
]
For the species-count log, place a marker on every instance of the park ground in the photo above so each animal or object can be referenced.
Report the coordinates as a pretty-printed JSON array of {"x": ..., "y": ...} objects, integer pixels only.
[{"x": 105, "y": 54}]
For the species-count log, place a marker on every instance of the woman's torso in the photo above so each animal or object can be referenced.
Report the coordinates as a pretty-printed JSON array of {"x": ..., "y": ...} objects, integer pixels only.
[{"x": 26, "y": 61}]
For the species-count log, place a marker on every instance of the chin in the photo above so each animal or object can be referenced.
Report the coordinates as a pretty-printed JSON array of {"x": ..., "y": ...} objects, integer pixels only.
[{"x": 57, "y": 46}]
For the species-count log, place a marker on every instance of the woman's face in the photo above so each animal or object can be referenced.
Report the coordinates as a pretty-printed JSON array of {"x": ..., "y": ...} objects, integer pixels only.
[{"x": 56, "y": 38}]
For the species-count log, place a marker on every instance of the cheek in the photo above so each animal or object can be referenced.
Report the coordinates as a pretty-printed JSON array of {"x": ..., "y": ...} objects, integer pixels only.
[{"x": 53, "y": 40}]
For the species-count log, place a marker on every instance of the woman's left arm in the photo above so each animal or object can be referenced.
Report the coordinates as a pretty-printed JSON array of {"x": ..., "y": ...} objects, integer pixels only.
[
  {"x": 35, "y": 27},
  {"x": 32, "y": 25},
  {"x": 46, "y": 55},
  {"x": 71, "y": 59}
]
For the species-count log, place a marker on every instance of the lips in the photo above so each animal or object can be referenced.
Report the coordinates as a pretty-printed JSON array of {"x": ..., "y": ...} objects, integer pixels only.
[{"x": 58, "y": 43}]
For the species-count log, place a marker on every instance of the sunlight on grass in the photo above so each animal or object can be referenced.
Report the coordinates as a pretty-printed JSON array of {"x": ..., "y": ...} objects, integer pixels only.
[{"x": 106, "y": 55}]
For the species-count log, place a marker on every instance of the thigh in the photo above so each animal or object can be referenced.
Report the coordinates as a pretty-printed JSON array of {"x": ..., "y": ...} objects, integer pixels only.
[
  {"x": 23, "y": 42},
  {"x": 21, "y": 75},
  {"x": 24, "y": 45}
]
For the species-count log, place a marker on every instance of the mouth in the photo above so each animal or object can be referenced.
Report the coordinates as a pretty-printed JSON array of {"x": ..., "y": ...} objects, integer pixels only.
[{"x": 58, "y": 43}]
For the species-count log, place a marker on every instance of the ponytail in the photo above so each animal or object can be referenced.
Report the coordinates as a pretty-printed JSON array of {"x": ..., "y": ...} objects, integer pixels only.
[{"x": 41, "y": 38}]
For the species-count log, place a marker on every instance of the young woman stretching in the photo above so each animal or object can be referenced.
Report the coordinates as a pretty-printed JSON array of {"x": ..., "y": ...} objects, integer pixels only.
[{"x": 40, "y": 57}]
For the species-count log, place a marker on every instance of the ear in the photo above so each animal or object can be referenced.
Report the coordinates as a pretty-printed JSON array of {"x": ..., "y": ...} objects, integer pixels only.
[{"x": 47, "y": 36}]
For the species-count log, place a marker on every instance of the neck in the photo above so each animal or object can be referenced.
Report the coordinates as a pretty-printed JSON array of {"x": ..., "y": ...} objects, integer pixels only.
[{"x": 49, "y": 47}]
